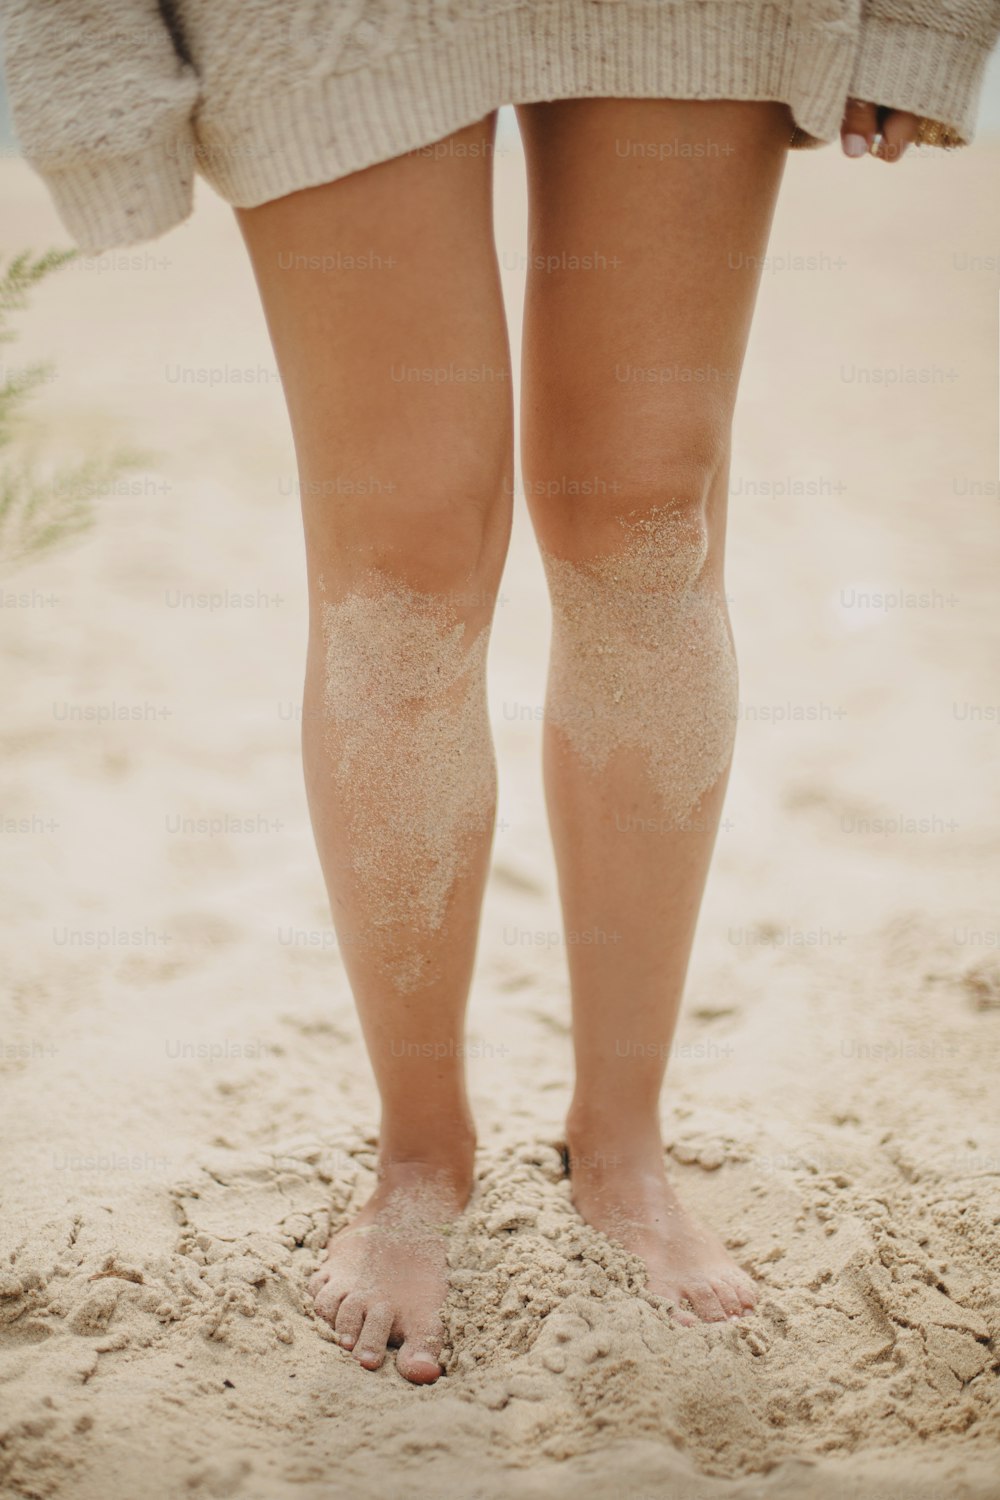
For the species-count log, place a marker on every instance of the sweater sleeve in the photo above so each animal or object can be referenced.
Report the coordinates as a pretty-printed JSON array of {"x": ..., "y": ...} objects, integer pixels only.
[
  {"x": 102, "y": 101},
  {"x": 927, "y": 57}
]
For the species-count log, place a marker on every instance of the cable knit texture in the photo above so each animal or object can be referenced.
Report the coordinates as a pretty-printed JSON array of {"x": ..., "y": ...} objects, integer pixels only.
[{"x": 118, "y": 104}]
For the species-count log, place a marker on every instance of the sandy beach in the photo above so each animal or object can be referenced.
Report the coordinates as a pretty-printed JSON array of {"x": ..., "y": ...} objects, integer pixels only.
[{"x": 187, "y": 1105}]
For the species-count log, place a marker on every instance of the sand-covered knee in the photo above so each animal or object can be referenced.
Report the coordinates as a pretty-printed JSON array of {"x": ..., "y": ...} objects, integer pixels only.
[
  {"x": 642, "y": 658},
  {"x": 408, "y": 731}
]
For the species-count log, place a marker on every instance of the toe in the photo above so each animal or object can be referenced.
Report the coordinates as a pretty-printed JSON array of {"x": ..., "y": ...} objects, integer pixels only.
[
  {"x": 418, "y": 1358},
  {"x": 371, "y": 1344},
  {"x": 318, "y": 1281},
  {"x": 350, "y": 1319},
  {"x": 703, "y": 1299},
  {"x": 728, "y": 1297},
  {"x": 745, "y": 1290},
  {"x": 680, "y": 1312},
  {"x": 685, "y": 1318},
  {"x": 328, "y": 1300}
]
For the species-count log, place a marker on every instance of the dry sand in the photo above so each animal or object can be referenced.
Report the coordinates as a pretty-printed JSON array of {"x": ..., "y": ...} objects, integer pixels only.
[
  {"x": 405, "y": 719},
  {"x": 187, "y": 1107},
  {"x": 645, "y": 661}
]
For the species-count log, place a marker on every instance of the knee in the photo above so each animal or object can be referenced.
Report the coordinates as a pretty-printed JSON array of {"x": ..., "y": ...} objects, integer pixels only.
[
  {"x": 636, "y": 560},
  {"x": 642, "y": 655},
  {"x": 406, "y": 586},
  {"x": 656, "y": 510},
  {"x": 635, "y": 577},
  {"x": 441, "y": 533}
]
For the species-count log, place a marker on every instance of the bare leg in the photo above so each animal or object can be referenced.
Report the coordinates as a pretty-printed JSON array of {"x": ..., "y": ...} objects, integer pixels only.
[
  {"x": 382, "y": 297},
  {"x": 630, "y": 374}
]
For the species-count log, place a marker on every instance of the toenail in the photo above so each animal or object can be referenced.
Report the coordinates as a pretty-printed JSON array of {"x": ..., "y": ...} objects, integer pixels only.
[{"x": 346, "y": 1343}]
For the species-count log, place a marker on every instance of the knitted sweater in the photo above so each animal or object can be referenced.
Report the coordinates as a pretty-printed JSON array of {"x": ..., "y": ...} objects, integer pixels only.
[{"x": 118, "y": 103}]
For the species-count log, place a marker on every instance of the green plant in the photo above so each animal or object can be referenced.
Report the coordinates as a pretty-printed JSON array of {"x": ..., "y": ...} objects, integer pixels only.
[{"x": 38, "y": 515}]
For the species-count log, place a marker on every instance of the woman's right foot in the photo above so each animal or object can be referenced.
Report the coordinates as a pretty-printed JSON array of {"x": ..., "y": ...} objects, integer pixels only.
[{"x": 385, "y": 1277}]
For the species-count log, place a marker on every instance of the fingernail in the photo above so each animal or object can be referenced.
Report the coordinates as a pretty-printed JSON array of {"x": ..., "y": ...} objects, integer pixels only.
[
  {"x": 345, "y": 1343},
  {"x": 855, "y": 145}
]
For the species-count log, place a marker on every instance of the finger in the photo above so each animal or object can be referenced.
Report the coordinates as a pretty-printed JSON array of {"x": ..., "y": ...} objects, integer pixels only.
[
  {"x": 858, "y": 127},
  {"x": 898, "y": 132}
]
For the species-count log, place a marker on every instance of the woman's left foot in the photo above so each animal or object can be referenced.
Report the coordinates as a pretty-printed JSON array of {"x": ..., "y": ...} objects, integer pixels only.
[{"x": 622, "y": 1189}]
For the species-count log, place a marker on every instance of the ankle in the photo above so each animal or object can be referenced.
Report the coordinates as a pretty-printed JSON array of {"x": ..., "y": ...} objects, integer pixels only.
[
  {"x": 613, "y": 1135},
  {"x": 447, "y": 1149}
]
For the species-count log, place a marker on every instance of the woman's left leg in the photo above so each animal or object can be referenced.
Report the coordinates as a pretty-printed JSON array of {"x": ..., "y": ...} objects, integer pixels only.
[{"x": 648, "y": 221}]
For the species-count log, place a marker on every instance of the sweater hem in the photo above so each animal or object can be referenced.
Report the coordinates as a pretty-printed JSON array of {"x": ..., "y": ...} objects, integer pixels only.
[
  {"x": 123, "y": 200},
  {"x": 344, "y": 122},
  {"x": 935, "y": 75}
]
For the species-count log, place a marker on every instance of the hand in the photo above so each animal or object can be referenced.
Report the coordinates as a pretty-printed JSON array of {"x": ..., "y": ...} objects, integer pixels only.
[{"x": 862, "y": 122}]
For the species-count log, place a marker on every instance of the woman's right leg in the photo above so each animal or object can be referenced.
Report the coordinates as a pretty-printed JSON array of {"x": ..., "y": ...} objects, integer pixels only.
[{"x": 382, "y": 297}]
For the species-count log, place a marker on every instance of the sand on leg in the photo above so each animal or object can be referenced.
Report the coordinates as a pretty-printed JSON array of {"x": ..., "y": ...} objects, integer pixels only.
[
  {"x": 648, "y": 221},
  {"x": 382, "y": 297}
]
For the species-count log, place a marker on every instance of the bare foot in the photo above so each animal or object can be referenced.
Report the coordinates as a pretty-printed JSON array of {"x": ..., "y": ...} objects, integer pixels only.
[
  {"x": 385, "y": 1277},
  {"x": 625, "y": 1193}
]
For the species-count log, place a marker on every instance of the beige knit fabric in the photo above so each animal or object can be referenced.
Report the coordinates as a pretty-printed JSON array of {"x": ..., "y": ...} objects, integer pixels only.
[{"x": 118, "y": 103}]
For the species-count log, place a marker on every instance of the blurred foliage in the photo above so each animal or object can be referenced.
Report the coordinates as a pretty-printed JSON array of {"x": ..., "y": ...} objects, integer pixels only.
[{"x": 38, "y": 515}]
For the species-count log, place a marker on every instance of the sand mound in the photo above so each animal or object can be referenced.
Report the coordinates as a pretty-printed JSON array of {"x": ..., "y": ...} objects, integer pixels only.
[{"x": 881, "y": 1296}]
